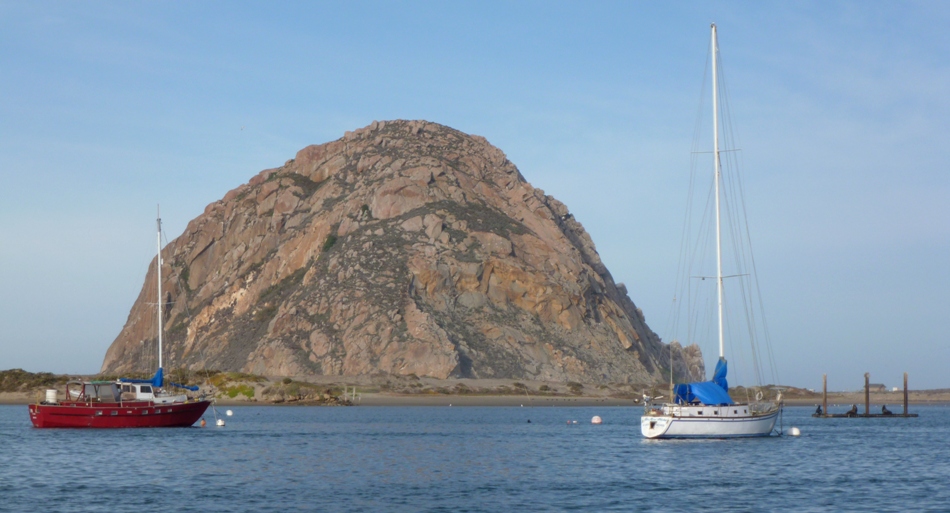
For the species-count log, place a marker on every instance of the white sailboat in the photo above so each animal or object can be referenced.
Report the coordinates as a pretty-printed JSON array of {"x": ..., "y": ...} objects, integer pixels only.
[{"x": 705, "y": 409}]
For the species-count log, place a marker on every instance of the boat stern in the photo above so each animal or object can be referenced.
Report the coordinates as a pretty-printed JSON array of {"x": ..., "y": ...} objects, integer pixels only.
[
  {"x": 35, "y": 416},
  {"x": 654, "y": 426}
]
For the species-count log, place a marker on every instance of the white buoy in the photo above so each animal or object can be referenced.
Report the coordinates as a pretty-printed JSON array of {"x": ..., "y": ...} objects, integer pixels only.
[
  {"x": 220, "y": 423},
  {"x": 794, "y": 431},
  {"x": 574, "y": 421},
  {"x": 596, "y": 420},
  {"x": 229, "y": 413}
]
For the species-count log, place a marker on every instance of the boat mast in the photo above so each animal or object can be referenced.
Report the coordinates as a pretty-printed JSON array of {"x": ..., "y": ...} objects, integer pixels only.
[
  {"x": 158, "y": 268},
  {"x": 715, "y": 102}
]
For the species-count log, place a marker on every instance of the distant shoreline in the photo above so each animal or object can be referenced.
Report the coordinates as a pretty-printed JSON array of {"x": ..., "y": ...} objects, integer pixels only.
[
  {"x": 841, "y": 399},
  {"x": 234, "y": 388}
]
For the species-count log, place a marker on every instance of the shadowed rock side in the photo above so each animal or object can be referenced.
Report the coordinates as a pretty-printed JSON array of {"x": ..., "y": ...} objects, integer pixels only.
[{"x": 405, "y": 247}]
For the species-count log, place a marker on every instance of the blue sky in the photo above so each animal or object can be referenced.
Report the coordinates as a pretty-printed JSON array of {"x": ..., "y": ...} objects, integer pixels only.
[{"x": 108, "y": 108}]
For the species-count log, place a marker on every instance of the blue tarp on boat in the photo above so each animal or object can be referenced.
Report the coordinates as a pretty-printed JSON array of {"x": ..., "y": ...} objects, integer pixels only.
[
  {"x": 157, "y": 380},
  {"x": 712, "y": 393},
  {"x": 186, "y": 387},
  {"x": 719, "y": 376}
]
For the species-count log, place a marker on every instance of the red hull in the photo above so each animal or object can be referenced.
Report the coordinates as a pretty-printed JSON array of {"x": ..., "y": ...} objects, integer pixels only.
[{"x": 116, "y": 415}]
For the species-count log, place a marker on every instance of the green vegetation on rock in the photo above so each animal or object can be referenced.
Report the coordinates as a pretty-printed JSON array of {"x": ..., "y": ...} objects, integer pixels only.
[
  {"x": 327, "y": 244},
  {"x": 242, "y": 389}
]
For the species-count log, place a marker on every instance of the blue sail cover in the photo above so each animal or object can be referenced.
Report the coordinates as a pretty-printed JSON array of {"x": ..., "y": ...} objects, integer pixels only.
[
  {"x": 719, "y": 376},
  {"x": 711, "y": 393},
  {"x": 156, "y": 380},
  {"x": 186, "y": 387}
]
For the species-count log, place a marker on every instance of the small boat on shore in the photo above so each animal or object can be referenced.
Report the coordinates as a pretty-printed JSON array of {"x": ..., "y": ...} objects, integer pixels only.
[{"x": 123, "y": 403}]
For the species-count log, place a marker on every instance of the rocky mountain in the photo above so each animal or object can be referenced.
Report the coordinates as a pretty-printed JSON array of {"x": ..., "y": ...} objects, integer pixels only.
[{"x": 405, "y": 247}]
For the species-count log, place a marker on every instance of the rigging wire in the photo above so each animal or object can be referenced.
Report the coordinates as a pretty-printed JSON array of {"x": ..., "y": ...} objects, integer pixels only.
[
  {"x": 742, "y": 242},
  {"x": 684, "y": 264},
  {"x": 749, "y": 287},
  {"x": 730, "y": 170},
  {"x": 697, "y": 242}
]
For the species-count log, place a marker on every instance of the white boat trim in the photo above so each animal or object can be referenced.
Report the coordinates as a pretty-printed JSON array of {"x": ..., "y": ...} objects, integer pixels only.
[{"x": 661, "y": 424}]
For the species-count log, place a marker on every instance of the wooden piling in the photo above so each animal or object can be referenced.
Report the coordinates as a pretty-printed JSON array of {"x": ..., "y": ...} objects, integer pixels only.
[
  {"x": 825, "y": 414},
  {"x": 905, "y": 393},
  {"x": 824, "y": 393}
]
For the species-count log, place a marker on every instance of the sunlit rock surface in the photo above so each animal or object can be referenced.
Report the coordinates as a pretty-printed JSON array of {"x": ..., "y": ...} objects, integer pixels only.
[{"x": 405, "y": 247}]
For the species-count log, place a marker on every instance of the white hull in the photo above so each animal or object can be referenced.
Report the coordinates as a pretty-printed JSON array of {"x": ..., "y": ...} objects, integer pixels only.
[{"x": 734, "y": 421}]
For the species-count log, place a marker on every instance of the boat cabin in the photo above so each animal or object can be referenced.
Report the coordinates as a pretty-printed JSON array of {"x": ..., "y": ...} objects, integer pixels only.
[
  {"x": 112, "y": 392},
  {"x": 147, "y": 392},
  {"x": 93, "y": 391},
  {"x": 137, "y": 392}
]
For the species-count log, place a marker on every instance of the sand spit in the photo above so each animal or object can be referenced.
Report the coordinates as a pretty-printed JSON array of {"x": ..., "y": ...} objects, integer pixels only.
[{"x": 386, "y": 390}]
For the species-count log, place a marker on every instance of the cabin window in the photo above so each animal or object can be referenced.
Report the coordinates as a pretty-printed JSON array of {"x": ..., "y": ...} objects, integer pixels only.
[
  {"x": 98, "y": 412},
  {"x": 735, "y": 411},
  {"x": 745, "y": 411},
  {"x": 126, "y": 388},
  {"x": 700, "y": 412},
  {"x": 716, "y": 412},
  {"x": 114, "y": 413},
  {"x": 146, "y": 389}
]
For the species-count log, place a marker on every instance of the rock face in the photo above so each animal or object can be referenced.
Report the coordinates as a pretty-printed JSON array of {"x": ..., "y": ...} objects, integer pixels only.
[{"x": 405, "y": 247}]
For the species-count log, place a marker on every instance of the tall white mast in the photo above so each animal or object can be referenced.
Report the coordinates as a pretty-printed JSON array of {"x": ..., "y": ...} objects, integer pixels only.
[
  {"x": 158, "y": 269},
  {"x": 715, "y": 102}
]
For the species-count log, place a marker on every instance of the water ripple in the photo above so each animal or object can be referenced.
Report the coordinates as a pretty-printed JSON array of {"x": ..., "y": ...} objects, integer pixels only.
[{"x": 471, "y": 460}]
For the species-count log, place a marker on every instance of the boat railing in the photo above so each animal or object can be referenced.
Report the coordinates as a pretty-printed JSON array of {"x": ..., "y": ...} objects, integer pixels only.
[{"x": 762, "y": 408}]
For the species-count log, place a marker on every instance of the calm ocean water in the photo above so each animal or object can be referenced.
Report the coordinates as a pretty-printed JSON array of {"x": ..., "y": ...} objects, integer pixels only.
[{"x": 472, "y": 459}]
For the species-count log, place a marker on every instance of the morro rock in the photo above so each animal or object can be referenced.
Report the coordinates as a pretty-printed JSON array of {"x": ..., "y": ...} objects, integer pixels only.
[{"x": 405, "y": 247}]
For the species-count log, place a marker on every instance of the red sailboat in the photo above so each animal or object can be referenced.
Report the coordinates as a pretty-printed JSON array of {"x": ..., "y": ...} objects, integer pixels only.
[{"x": 123, "y": 403}]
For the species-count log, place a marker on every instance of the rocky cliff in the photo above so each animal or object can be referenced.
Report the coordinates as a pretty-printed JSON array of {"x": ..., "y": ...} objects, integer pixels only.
[{"x": 405, "y": 247}]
